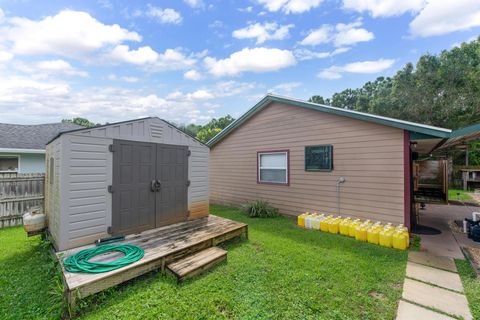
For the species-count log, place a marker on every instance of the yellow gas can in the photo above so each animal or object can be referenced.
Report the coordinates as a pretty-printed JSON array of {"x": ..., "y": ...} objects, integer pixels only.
[
  {"x": 373, "y": 233},
  {"x": 351, "y": 228},
  {"x": 385, "y": 236},
  {"x": 361, "y": 232},
  {"x": 333, "y": 225},
  {"x": 344, "y": 226},
  {"x": 301, "y": 219},
  {"x": 400, "y": 240},
  {"x": 324, "y": 224}
]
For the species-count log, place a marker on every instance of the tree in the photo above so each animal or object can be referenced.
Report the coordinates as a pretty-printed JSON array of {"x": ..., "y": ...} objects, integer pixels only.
[
  {"x": 81, "y": 122},
  {"x": 318, "y": 99},
  {"x": 441, "y": 90},
  {"x": 213, "y": 127}
]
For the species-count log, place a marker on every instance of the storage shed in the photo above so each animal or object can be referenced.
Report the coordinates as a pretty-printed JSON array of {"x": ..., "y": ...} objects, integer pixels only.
[{"x": 123, "y": 178}]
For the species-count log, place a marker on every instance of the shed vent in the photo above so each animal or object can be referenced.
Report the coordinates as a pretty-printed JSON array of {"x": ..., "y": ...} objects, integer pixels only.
[{"x": 155, "y": 131}]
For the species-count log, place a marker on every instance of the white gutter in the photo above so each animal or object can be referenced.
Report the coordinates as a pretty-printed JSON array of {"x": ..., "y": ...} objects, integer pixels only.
[{"x": 13, "y": 150}]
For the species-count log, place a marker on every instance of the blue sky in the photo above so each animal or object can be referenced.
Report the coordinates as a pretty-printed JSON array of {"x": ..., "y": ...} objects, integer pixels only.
[{"x": 188, "y": 61}]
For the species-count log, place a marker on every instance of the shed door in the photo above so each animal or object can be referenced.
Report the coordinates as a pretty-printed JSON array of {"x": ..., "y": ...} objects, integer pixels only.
[
  {"x": 133, "y": 202},
  {"x": 172, "y": 174},
  {"x": 138, "y": 167}
]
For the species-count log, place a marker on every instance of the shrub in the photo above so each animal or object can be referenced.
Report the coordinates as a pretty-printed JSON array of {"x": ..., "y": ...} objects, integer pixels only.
[{"x": 260, "y": 209}]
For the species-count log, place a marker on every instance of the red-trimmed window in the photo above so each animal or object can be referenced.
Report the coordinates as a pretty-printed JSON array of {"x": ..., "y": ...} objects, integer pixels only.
[{"x": 273, "y": 167}]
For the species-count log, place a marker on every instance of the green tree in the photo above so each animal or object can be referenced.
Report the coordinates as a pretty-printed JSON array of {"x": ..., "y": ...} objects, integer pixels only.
[
  {"x": 212, "y": 128},
  {"x": 82, "y": 122}
]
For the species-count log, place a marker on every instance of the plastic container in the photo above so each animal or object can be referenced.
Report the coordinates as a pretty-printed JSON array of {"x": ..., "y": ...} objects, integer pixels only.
[
  {"x": 385, "y": 236},
  {"x": 351, "y": 228},
  {"x": 315, "y": 222},
  {"x": 333, "y": 225},
  {"x": 400, "y": 240},
  {"x": 361, "y": 231},
  {"x": 344, "y": 226},
  {"x": 308, "y": 221},
  {"x": 324, "y": 223},
  {"x": 301, "y": 219},
  {"x": 373, "y": 233}
]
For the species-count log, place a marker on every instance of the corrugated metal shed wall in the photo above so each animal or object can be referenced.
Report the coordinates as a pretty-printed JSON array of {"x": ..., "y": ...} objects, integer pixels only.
[{"x": 87, "y": 163}]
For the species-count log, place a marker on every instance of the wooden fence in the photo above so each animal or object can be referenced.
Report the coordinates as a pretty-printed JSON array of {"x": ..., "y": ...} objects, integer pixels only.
[{"x": 19, "y": 193}]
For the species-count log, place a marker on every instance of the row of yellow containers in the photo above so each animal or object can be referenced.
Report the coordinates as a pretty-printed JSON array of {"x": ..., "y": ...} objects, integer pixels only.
[{"x": 367, "y": 231}]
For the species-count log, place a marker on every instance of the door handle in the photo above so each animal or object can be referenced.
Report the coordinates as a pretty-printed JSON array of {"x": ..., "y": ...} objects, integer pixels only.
[
  {"x": 158, "y": 185},
  {"x": 153, "y": 186}
]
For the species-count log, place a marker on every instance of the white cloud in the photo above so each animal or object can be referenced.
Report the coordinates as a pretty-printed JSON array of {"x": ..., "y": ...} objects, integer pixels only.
[
  {"x": 141, "y": 56},
  {"x": 442, "y": 17},
  {"x": 340, "y": 35},
  {"x": 25, "y": 100},
  {"x": 285, "y": 87},
  {"x": 59, "y": 66},
  {"x": 171, "y": 59},
  {"x": 363, "y": 67},
  {"x": 305, "y": 54},
  {"x": 5, "y": 56},
  {"x": 195, "y": 3},
  {"x": 128, "y": 79},
  {"x": 2, "y": 15},
  {"x": 250, "y": 60},
  {"x": 167, "y": 15},
  {"x": 246, "y": 9},
  {"x": 263, "y": 32},
  {"x": 69, "y": 33},
  {"x": 290, "y": 6},
  {"x": 385, "y": 8},
  {"x": 192, "y": 75}
]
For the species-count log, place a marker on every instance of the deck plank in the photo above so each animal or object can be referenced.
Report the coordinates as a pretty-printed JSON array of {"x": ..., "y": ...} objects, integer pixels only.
[
  {"x": 194, "y": 264},
  {"x": 162, "y": 246}
]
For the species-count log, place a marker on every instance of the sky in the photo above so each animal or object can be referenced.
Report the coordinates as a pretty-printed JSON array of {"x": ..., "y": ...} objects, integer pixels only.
[{"x": 193, "y": 60}]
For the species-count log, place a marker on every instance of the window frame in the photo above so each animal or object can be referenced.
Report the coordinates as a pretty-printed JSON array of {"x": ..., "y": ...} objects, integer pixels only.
[
  {"x": 318, "y": 170},
  {"x": 11, "y": 156},
  {"x": 287, "y": 167}
]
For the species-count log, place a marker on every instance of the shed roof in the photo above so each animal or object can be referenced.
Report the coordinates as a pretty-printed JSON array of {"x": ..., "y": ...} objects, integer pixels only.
[
  {"x": 33, "y": 137},
  {"x": 269, "y": 98}
]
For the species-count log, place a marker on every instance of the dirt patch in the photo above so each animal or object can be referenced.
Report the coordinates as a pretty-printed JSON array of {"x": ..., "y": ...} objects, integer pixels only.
[{"x": 377, "y": 295}]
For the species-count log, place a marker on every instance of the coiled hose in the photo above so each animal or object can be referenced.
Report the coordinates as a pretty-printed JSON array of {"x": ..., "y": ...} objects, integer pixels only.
[{"x": 80, "y": 262}]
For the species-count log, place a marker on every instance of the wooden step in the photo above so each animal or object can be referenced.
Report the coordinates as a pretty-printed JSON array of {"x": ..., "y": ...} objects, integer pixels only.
[{"x": 197, "y": 263}]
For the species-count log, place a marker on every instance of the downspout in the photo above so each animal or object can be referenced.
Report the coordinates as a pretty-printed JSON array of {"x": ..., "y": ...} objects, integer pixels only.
[{"x": 339, "y": 181}]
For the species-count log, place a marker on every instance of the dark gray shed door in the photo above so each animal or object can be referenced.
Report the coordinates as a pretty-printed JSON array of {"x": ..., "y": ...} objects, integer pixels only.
[
  {"x": 149, "y": 186},
  {"x": 172, "y": 173},
  {"x": 133, "y": 202}
]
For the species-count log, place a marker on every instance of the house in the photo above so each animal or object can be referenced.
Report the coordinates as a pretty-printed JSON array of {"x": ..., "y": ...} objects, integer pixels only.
[
  {"x": 302, "y": 156},
  {"x": 22, "y": 147},
  {"x": 123, "y": 178}
]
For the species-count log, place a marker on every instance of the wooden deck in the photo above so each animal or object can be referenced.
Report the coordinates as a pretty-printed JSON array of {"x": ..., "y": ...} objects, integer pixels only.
[{"x": 162, "y": 246}]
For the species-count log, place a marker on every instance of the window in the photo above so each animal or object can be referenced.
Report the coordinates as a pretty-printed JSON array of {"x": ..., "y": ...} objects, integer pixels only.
[
  {"x": 273, "y": 167},
  {"x": 9, "y": 164},
  {"x": 319, "y": 158}
]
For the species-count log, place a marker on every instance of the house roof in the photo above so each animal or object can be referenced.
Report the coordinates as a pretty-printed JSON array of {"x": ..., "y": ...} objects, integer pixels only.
[
  {"x": 31, "y": 137},
  {"x": 434, "y": 132}
]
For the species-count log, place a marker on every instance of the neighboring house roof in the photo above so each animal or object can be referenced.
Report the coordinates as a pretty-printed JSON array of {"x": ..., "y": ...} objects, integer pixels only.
[
  {"x": 21, "y": 137},
  {"x": 424, "y": 129}
]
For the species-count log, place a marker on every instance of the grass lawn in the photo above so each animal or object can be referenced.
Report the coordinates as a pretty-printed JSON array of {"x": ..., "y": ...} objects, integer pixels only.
[
  {"x": 471, "y": 285},
  {"x": 281, "y": 272},
  {"x": 459, "y": 195}
]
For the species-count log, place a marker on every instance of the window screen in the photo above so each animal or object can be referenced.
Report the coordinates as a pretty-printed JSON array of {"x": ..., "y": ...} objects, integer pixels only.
[
  {"x": 273, "y": 167},
  {"x": 8, "y": 164},
  {"x": 319, "y": 158}
]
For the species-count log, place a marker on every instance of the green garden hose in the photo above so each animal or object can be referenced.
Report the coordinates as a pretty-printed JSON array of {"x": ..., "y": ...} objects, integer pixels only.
[{"x": 80, "y": 262}]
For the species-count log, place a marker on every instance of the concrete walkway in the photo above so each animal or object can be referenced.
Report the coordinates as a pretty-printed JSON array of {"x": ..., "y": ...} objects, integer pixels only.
[{"x": 432, "y": 289}]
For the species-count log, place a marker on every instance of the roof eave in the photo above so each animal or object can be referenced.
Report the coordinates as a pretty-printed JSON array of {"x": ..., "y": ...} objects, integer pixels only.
[{"x": 400, "y": 124}]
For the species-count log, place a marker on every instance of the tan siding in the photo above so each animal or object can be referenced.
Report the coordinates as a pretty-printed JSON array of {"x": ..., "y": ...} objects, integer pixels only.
[{"x": 368, "y": 155}]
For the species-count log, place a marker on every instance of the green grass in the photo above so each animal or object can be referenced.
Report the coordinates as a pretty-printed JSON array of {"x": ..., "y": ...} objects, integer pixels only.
[
  {"x": 471, "y": 285},
  {"x": 459, "y": 195},
  {"x": 281, "y": 272}
]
